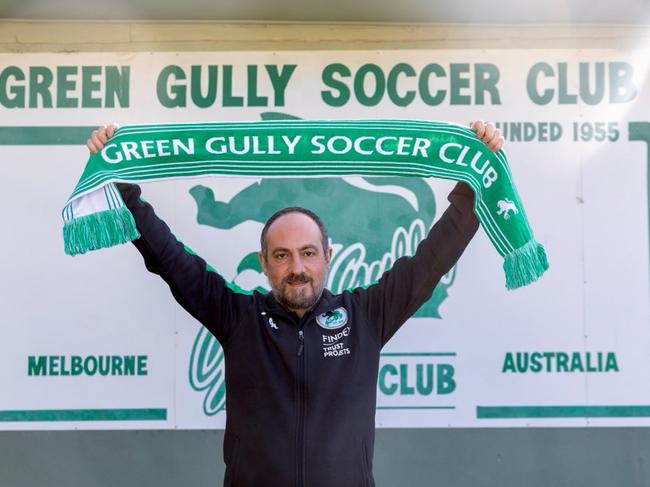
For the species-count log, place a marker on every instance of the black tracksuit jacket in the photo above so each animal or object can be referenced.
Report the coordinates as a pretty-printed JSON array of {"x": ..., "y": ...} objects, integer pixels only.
[{"x": 301, "y": 398}]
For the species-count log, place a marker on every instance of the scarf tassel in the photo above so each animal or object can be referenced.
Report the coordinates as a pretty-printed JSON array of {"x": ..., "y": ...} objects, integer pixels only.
[
  {"x": 525, "y": 264},
  {"x": 99, "y": 230}
]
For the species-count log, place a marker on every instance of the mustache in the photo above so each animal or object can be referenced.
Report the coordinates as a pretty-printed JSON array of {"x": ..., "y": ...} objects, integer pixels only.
[{"x": 296, "y": 278}]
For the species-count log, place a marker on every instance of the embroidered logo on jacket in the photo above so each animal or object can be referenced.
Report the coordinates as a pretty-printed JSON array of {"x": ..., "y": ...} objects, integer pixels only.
[
  {"x": 272, "y": 323},
  {"x": 333, "y": 319},
  {"x": 336, "y": 344}
]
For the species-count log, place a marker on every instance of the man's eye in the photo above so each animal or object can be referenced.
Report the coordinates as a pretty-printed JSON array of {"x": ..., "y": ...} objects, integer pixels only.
[
  {"x": 309, "y": 253},
  {"x": 280, "y": 256}
]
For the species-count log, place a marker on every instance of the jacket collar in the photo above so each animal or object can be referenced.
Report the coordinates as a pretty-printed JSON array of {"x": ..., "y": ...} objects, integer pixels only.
[{"x": 322, "y": 305}]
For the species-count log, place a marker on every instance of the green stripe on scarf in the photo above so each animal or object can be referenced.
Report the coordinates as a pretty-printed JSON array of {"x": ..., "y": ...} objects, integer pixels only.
[{"x": 95, "y": 218}]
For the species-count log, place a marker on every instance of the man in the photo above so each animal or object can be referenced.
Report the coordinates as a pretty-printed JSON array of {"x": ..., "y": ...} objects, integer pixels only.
[{"x": 297, "y": 413}]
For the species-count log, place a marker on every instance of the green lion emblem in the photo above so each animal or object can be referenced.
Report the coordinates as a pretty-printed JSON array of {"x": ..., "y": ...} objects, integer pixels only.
[
  {"x": 372, "y": 222},
  {"x": 333, "y": 319}
]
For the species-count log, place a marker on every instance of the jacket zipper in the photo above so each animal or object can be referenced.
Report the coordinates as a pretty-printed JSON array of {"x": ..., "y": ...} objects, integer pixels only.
[
  {"x": 301, "y": 410},
  {"x": 301, "y": 342}
]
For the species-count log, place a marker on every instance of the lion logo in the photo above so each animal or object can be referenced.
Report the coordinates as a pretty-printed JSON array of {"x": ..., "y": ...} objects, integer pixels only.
[
  {"x": 372, "y": 222},
  {"x": 505, "y": 207}
]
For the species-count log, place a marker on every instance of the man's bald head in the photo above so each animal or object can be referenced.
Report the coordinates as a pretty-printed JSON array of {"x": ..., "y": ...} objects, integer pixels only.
[{"x": 286, "y": 211}]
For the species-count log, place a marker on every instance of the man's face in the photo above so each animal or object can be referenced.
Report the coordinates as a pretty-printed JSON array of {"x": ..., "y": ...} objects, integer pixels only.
[{"x": 295, "y": 262}]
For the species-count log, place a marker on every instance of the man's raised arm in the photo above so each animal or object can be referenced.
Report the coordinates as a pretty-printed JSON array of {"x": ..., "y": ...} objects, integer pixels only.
[
  {"x": 410, "y": 283},
  {"x": 201, "y": 291}
]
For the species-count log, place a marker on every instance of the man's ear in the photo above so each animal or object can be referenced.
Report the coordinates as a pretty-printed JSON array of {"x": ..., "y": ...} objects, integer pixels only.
[
  {"x": 260, "y": 256},
  {"x": 329, "y": 254}
]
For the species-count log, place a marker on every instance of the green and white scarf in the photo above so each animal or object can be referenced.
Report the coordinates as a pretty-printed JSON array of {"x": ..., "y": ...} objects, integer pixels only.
[{"x": 95, "y": 215}]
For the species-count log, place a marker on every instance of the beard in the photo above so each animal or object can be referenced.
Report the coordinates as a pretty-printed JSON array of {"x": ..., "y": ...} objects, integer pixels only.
[{"x": 302, "y": 298}]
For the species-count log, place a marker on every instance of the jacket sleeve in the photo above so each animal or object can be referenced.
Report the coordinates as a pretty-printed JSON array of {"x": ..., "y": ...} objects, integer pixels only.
[
  {"x": 410, "y": 283},
  {"x": 194, "y": 285}
]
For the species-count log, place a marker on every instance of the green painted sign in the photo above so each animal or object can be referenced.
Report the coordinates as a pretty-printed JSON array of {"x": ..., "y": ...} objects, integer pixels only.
[
  {"x": 88, "y": 365},
  {"x": 559, "y": 362},
  {"x": 65, "y": 87}
]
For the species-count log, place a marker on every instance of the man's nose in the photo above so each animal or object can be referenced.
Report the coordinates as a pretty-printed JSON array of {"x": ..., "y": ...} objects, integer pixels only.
[{"x": 297, "y": 266}]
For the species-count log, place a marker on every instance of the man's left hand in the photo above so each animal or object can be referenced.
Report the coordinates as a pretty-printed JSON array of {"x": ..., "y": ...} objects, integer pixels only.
[{"x": 489, "y": 134}]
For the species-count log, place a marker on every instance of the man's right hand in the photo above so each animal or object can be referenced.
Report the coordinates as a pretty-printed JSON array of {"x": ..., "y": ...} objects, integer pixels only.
[{"x": 99, "y": 137}]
